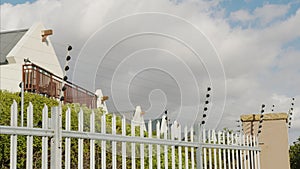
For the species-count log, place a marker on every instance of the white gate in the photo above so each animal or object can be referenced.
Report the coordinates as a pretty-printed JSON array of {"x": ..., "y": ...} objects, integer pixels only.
[{"x": 120, "y": 148}]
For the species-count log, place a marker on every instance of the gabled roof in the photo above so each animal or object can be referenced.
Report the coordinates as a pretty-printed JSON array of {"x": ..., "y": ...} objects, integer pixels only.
[{"x": 8, "y": 41}]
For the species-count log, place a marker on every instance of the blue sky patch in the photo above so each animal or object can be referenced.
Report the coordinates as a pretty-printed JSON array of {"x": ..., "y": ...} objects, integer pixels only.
[{"x": 14, "y": 2}]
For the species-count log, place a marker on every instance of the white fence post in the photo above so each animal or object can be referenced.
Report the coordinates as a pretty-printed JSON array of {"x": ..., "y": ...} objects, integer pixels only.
[
  {"x": 56, "y": 140},
  {"x": 132, "y": 147},
  {"x": 68, "y": 140},
  {"x": 204, "y": 149},
  {"x": 219, "y": 150},
  {"x": 114, "y": 143},
  {"x": 45, "y": 139},
  {"x": 166, "y": 148},
  {"x": 215, "y": 151},
  {"x": 142, "y": 153},
  {"x": 80, "y": 141},
  {"x": 173, "y": 147},
  {"x": 123, "y": 143},
  {"x": 150, "y": 145},
  {"x": 192, "y": 148},
  {"x": 185, "y": 148},
  {"x": 92, "y": 141},
  {"x": 29, "y": 152},
  {"x": 209, "y": 149},
  {"x": 158, "y": 146},
  {"x": 13, "y": 137},
  {"x": 198, "y": 139},
  {"x": 103, "y": 143}
]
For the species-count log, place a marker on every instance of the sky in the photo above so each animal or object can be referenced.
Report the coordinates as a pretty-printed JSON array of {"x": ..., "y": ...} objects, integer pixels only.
[{"x": 163, "y": 54}]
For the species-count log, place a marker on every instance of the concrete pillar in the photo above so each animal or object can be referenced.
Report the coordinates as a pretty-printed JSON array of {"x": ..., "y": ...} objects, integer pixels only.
[{"x": 273, "y": 139}]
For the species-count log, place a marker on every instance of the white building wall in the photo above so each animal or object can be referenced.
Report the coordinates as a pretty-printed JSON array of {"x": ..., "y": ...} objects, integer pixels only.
[{"x": 30, "y": 46}]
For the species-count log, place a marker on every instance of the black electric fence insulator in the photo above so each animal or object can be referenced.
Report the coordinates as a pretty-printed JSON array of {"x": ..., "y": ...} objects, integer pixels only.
[
  {"x": 203, "y": 122},
  {"x": 205, "y": 109},
  {"x": 262, "y": 111},
  {"x": 65, "y": 78},
  {"x": 68, "y": 58},
  {"x": 207, "y": 95},
  {"x": 62, "y": 98},
  {"x": 263, "y": 106},
  {"x": 67, "y": 68},
  {"x": 69, "y": 48},
  {"x": 204, "y": 115},
  {"x": 206, "y": 102},
  {"x": 209, "y": 89},
  {"x": 64, "y": 88}
]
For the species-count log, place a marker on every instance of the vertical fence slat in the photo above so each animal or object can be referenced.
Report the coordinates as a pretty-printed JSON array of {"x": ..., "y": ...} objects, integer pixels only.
[
  {"x": 237, "y": 153},
  {"x": 133, "y": 166},
  {"x": 192, "y": 148},
  {"x": 185, "y": 148},
  {"x": 215, "y": 151},
  {"x": 142, "y": 153},
  {"x": 123, "y": 143},
  {"x": 80, "y": 141},
  {"x": 45, "y": 139},
  {"x": 158, "y": 146},
  {"x": 248, "y": 153},
  {"x": 224, "y": 150},
  {"x": 92, "y": 142},
  {"x": 204, "y": 149},
  {"x": 258, "y": 154},
  {"x": 150, "y": 145},
  {"x": 241, "y": 152},
  {"x": 166, "y": 149},
  {"x": 232, "y": 151},
  {"x": 245, "y": 152},
  {"x": 56, "y": 140},
  {"x": 13, "y": 138},
  {"x": 29, "y": 152},
  {"x": 228, "y": 151},
  {"x": 209, "y": 150},
  {"x": 114, "y": 143},
  {"x": 103, "y": 143},
  {"x": 173, "y": 147},
  {"x": 68, "y": 140},
  {"x": 251, "y": 152},
  {"x": 219, "y": 150},
  {"x": 255, "y": 155}
]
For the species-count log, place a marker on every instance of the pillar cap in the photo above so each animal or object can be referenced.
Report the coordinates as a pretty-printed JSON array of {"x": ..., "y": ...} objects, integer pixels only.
[{"x": 268, "y": 116}]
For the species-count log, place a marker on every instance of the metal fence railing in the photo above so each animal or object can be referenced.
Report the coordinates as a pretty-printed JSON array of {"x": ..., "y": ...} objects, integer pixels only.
[{"x": 107, "y": 141}]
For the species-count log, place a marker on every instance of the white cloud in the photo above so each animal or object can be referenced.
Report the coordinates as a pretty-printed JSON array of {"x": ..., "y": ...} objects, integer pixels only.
[
  {"x": 241, "y": 15},
  {"x": 269, "y": 12},
  {"x": 265, "y": 14}
]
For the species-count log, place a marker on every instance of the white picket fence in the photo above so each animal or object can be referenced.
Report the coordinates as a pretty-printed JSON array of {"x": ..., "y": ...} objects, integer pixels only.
[{"x": 199, "y": 148}]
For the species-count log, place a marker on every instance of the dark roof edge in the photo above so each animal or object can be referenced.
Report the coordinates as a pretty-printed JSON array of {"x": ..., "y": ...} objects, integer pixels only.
[{"x": 12, "y": 31}]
